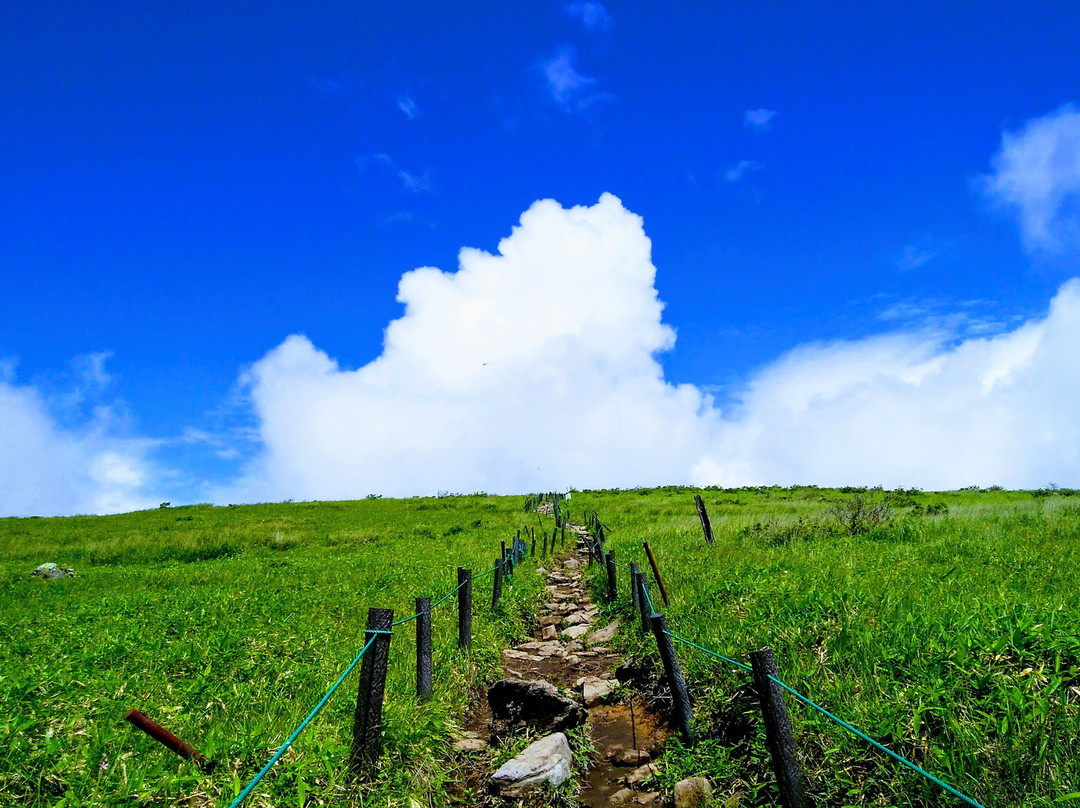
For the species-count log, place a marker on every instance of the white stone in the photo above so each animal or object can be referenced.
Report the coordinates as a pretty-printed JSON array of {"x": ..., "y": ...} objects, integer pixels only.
[
  {"x": 543, "y": 763},
  {"x": 576, "y": 631}
]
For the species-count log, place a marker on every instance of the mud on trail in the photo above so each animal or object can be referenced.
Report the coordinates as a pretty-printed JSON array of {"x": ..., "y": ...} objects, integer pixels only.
[{"x": 569, "y": 650}]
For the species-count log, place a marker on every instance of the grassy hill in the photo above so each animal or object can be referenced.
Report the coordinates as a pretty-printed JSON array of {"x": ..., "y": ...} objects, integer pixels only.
[{"x": 950, "y": 632}]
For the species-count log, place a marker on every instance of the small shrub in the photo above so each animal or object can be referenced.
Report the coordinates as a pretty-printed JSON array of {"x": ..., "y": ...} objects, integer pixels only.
[{"x": 862, "y": 513}]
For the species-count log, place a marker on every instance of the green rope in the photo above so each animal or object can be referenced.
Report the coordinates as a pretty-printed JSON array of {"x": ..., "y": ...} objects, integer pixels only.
[
  {"x": 448, "y": 594},
  {"x": 874, "y": 743},
  {"x": 707, "y": 651},
  {"x": 288, "y": 742}
]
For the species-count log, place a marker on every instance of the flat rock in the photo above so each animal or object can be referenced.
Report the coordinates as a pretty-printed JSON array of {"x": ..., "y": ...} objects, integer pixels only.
[
  {"x": 571, "y": 563},
  {"x": 577, "y": 619},
  {"x": 548, "y": 632},
  {"x": 576, "y": 631},
  {"x": 692, "y": 792},
  {"x": 629, "y": 757},
  {"x": 641, "y": 774},
  {"x": 518, "y": 703},
  {"x": 543, "y": 764},
  {"x": 623, "y": 796},
  {"x": 606, "y": 634},
  {"x": 594, "y": 690},
  {"x": 469, "y": 745}
]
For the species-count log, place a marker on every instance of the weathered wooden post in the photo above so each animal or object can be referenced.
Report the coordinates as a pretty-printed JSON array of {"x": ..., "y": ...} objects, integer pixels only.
[
  {"x": 778, "y": 736},
  {"x": 496, "y": 584},
  {"x": 423, "y": 649},
  {"x": 543, "y": 547},
  {"x": 464, "y": 605},
  {"x": 643, "y": 602},
  {"x": 656, "y": 573},
  {"x": 563, "y": 542},
  {"x": 612, "y": 591},
  {"x": 634, "y": 573},
  {"x": 703, "y": 515},
  {"x": 679, "y": 697},
  {"x": 367, "y": 719},
  {"x": 533, "y": 551}
]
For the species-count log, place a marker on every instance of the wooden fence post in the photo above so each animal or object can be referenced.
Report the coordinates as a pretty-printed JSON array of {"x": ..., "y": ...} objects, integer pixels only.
[
  {"x": 544, "y": 547},
  {"x": 703, "y": 515},
  {"x": 676, "y": 682},
  {"x": 643, "y": 602},
  {"x": 464, "y": 605},
  {"x": 423, "y": 649},
  {"x": 634, "y": 572},
  {"x": 533, "y": 551},
  {"x": 496, "y": 584},
  {"x": 778, "y": 736},
  {"x": 612, "y": 591},
  {"x": 367, "y": 719}
]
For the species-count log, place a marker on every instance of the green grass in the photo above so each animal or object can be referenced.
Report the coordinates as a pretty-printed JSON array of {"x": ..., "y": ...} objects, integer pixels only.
[
  {"x": 952, "y": 638},
  {"x": 227, "y": 625},
  {"x": 951, "y": 634}
]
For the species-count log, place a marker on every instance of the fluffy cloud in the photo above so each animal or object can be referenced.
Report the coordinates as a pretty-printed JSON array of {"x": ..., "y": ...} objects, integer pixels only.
[
  {"x": 535, "y": 368},
  {"x": 566, "y": 86},
  {"x": 530, "y": 368},
  {"x": 592, "y": 15},
  {"x": 46, "y": 469},
  {"x": 1036, "y": 175},
  {"x": 916, "y": 408}
]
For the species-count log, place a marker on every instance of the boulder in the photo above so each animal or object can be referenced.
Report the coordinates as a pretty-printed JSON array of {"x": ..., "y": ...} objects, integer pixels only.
[
  {"x": 543, "y": 764},
  {"x": 692, "y": 792},
  {"x": 519, "y": 703}
]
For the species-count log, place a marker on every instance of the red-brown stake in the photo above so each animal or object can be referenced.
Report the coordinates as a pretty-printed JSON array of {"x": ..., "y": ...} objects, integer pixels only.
[
  {"x": 656, "y": 573},
  {"x": 163, "y": 736}
]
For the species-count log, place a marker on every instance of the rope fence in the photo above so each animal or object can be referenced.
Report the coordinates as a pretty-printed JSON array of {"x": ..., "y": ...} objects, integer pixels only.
[
  {"x": 777, "y": 724},
  {"x": 368, "y": 719}
]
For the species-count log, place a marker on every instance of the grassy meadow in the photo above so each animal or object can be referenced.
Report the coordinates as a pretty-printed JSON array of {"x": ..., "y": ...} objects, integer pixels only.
[
  {"x": 950, "y": 632},
  {"x": 226, "y": 625}
]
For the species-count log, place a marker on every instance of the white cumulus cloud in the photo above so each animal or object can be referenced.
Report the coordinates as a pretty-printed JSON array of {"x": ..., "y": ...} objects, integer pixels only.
[
  {"x": 1036, "y": 174},
  {"x": 48, "y": 470},
  {"x": 535, "y": 368},
  {"x": 530, "y": 368}
]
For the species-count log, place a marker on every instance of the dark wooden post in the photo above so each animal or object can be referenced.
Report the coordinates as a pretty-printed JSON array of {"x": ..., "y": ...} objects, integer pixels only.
[
  {"x": 464, "y": 605},
  {"x": 643, "y": 602},
  {"x": 634, "y": 573},
  {"x": 167, "y": 739},
  {"x": 563, "y": 543},
  {"x": 656, "y": 574},
  {"x": 703, "y": 515},
  {"x": 778, "y": 736},
  {"x": 367, "y": 719},
  {"x": 533, "y": 551},
  {"x": 423, "y": 649},
  {"x": 543, "y": 546},
  {"x": 612, "y": 591},
  {"x": 683, "y": 712},
  {"x": 496, "y": 584}
]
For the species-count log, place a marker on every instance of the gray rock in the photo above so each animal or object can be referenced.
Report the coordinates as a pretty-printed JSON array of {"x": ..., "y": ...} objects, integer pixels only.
[
  {"x": 548, "y": 632},
  {"x": 606, "y": 634},
  {"x": 520, "y": 703},
  {"x": 623, "y": 796},
  {"x": 594, "y": 690},
  {"x": 641, "y": 774},
  {"x": 571, "y": 563},
  {"x": 544, "y": 764},
  {"x": 576, "y": 631},
  {"x": 629, "y": 757},
  {"x": 50, "y": 571},
  {"x": 692, "y": 792}
]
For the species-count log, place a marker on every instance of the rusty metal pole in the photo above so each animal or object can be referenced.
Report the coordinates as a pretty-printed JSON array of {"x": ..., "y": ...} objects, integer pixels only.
[
  {"x": 656, "y": 574},
  {"x": 167, "y": 739}
]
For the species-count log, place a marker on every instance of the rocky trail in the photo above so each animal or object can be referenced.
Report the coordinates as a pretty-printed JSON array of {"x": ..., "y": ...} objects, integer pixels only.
[{"x": 565, "y": 676}]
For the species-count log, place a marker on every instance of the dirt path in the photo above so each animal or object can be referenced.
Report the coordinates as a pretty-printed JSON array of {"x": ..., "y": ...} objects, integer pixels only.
[{"x": 570, "y": 650}]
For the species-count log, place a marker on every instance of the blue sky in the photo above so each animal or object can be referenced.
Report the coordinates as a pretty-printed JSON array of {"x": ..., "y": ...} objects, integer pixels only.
[{"x": 187, "y": 186}]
